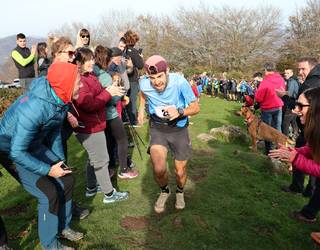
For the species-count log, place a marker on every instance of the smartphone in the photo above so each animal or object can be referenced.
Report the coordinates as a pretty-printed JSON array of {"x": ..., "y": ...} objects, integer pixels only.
[
  {"x": 81, "y": 124},
  {"x": 65, "y": 167}
]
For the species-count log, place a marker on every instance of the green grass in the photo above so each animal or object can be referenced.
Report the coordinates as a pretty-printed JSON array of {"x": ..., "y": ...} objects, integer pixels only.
[{"x": 232, "y": 200}]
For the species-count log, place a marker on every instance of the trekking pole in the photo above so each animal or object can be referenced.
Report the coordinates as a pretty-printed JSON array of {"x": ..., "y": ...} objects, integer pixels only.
[{"x": 133, "y": 134}]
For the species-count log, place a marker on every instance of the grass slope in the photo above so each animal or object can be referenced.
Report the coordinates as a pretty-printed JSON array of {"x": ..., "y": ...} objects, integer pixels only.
[{"x": 233, "y": 200}]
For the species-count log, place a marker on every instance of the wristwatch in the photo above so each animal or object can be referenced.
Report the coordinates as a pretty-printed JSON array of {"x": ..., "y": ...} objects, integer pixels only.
[{"x": 181, "y": 112}]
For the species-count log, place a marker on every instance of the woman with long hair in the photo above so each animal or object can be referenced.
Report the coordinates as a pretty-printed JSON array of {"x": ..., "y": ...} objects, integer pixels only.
[
  {"x": 43, "y": 60},
  {"x": 306, "y": 158}
]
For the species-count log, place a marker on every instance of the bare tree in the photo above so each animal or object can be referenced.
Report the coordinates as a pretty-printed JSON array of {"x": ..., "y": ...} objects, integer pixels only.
[{"x": 303, "y": 33}]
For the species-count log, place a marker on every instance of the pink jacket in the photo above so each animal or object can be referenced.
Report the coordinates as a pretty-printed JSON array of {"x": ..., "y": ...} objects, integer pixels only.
[
  {"x": 305, "y": 163},
  {"x": 266, "y": 95}
]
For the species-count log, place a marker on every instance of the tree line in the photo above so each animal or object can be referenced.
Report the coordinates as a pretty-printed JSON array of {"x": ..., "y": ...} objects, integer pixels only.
[{"x": 214, "y": 39}]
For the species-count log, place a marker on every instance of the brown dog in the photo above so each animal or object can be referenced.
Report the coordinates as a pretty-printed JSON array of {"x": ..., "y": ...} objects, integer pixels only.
[{"x": 259, "y": 130}]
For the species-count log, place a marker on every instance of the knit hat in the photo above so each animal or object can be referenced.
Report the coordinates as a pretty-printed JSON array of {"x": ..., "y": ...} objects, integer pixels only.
[
  {"x": 115, "y": 51},
  {"x": 155, "y": 64},
  {"x": 62, "y": 77}
]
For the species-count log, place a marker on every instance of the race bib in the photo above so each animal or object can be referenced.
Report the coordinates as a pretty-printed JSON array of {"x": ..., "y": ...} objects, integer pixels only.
[{"x": 161, "y": 111}]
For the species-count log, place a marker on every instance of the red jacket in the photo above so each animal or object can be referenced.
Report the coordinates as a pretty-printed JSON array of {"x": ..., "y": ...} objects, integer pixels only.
[
  {"x": 266, "y": 95},
  {"x": 305, "y": 163},
  {"x": 91, "y": 105}
]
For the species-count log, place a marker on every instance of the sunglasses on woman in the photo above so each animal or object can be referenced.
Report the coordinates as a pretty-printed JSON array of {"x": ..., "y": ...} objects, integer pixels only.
[
  {"x": 85, "y": 36},
  {"x": 70, "y": 52},
  {"x": 300, "y": 105}
]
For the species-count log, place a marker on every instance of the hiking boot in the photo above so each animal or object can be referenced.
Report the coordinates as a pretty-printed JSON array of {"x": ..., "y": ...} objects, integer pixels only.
[
  {"x": 300, "y": 217},
  {"x": 71, "y": 235},
  {"x": 79, "y": 212},
  {"x": 5, "y": 247},
  {"x": 116, "y": 196},
  {"x": 159, "y": 206},
  {"x": 180, "y": 204},
  {"x": 129, "y": 174}
]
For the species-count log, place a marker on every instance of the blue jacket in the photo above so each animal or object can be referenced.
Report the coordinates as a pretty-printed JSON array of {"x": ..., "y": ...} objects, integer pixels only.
[{"x": 32, "y": 126}]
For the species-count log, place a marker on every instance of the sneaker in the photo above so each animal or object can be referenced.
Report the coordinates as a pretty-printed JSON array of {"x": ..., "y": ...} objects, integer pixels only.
[
  {"x": 180, "y": 204},
  {"x": 99, "y": 189},
  {"x": 159, "y": 206},
  {"x": 91, "y": 192},
  {"x": 131, "y": 164},
  {"x": 79, "y": 212},
  {"x": 137, "y": 126},
  {"x": 116, "y": 196},
  {"x": 130, "y": 174},
  {"x": 5, "y": 247},
  {"x": 60, "y": 246},
  {"x": 300, "y": 217},
  {"x": 71, "y": 235},
  {"x": 287, "y": 189}
]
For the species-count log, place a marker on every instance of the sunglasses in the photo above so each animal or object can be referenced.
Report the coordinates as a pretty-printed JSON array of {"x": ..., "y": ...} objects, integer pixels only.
[
  {"x": 70, "y": 52},
  {"x": 300, "y": 105},
  {"x": 85, "y": 36}
]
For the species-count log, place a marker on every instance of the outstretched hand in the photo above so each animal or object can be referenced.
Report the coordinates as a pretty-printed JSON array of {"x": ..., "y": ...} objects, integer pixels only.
[
  {"x": 116, "y": 90},
  {"x": 283, "y": 153}
]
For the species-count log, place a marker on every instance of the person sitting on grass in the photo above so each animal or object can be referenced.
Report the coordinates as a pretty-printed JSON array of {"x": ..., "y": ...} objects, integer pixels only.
[
  {"x": 30, "y": 136},
  {"x": 306, "y": 158}
]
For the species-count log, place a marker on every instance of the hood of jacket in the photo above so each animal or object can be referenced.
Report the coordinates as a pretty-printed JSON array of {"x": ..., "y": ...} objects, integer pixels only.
[
  {"x": 62, "y": 78},
  {"x": 274, "y": 78}
]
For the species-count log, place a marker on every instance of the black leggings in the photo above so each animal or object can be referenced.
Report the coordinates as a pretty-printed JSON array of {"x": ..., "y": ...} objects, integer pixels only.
[
  {"x": 116, "y": 135},
  {"x": 3, "y": 233}
]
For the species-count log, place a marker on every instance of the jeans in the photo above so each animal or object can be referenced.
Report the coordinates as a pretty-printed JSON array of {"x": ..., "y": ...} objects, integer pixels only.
[{"x": 273, "y": 118}]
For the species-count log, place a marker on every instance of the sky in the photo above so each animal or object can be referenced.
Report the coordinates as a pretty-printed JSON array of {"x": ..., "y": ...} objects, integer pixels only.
[{"x": 39, "y": 17}]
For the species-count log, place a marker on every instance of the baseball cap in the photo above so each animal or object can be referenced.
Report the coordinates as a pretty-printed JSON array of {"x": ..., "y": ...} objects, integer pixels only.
[
  {"x": 155, "y": 64},
  {"x": 115, "y": 51}
]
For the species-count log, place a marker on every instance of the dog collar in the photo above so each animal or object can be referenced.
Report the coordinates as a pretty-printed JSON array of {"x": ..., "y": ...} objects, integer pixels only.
[{"x": 250, "y": 119}]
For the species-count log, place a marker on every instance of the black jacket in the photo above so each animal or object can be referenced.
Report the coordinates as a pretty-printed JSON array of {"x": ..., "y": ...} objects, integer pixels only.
[
  {"x": 137, "y": 63},
  {"x": 312, "y": 81},
  {"x": 28, "y": 70}
]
